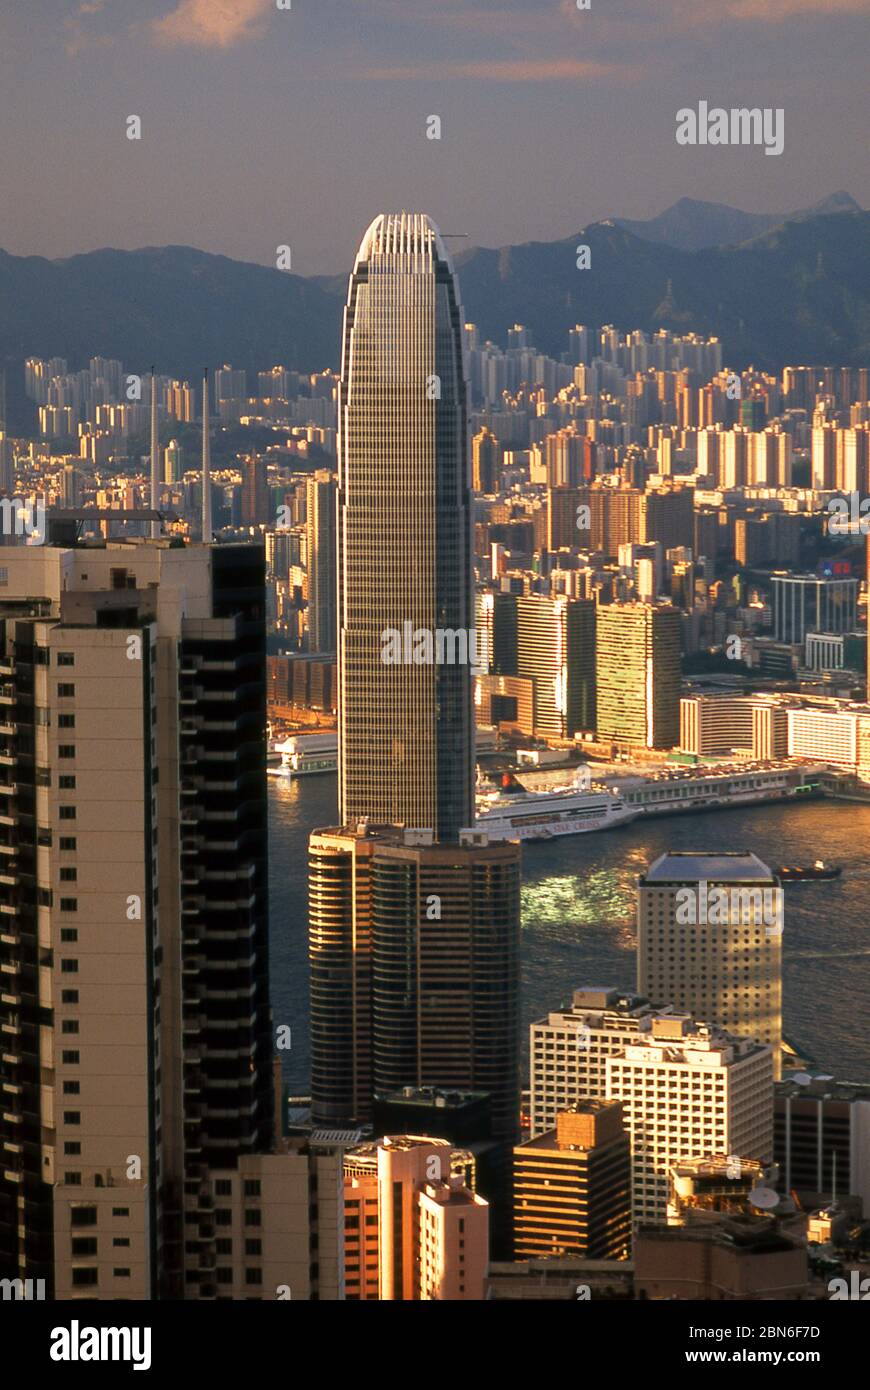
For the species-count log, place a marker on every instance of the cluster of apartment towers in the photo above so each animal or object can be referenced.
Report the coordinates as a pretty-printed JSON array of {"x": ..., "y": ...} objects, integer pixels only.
[{"x": 142, "y": 1155}]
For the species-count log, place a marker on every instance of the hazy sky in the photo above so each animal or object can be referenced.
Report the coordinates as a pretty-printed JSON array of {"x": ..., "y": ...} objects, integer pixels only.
[{"x": 263, "y": 127}]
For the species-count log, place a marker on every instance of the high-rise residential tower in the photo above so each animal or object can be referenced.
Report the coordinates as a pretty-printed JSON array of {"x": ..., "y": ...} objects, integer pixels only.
[
  {"x": 638, "y": 674},
  {"x": 320, "y": 525},
  {"x": 406, "y": 729}
]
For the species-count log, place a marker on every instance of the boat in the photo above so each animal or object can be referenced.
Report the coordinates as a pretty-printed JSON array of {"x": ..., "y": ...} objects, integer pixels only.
[
  {"x": 304, "y": 754},
  {"x": 512, "y": 812},
  {"x": 797, "y": 873}
]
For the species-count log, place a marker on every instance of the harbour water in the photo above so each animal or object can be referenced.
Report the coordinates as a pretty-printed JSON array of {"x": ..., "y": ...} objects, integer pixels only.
[{"x": 579, "y": 913}]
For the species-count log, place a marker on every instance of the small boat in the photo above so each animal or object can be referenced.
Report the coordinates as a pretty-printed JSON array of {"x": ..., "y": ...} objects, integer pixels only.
[{"x": 795, "y": 873}]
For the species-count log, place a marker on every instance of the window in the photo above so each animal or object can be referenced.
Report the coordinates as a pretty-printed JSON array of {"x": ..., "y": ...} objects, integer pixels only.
[
  {"x": 223, "y": 1187},
  {"x": 66, "y": 658},
  {"x": 83, "y": 1216},
  {"x": 67, "y": 812},
  {"x": 68, "y": 934},
  {"x": 71, "y": 1088},
  {"x": 223, "y": 1245},
  {"x": 252, "y": 1187},
  {"x": 65, "y": 690},
  {"x": 66, "y": 750},
  {"x": 121, "y": 1240},
  {"x": 84, "y": 1245},
  {"x": 69, "y": 1025},
  {"x": 253, "y": 1247},
  {"x": 84, "y": 1276},
  {"x": 223, "y": 1218},
  {"x": 66, "y": 784},
  {"x": 66, "y": 721},
  {"x": 253, "y": 1276},
  {"x": 252, "y": 1218},
  {"x": 4, "y": 576},
  {"x": 72, "y": 1117},
  {"x": 121, "y": 1273},
  {"x": 69, "y": 966},
  {"x": 67, "y": 842},
  {"x": 68, "y": 875},
  {"x": 71, "y": 1058},
  {"x": 72, "y": 1179},
  {"x": 72, "y": 1148},
  {"x": 225, "y": 1276},
  {"x": 120, "y": 1211},
  {"x": 69, "y": 905}
]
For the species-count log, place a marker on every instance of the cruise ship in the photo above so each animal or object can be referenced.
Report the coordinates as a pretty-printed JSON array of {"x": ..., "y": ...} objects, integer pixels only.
[{"x": 512, "y": 812}]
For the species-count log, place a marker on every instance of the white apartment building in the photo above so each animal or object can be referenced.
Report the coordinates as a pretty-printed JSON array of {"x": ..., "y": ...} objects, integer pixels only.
[{"x": 689, "y": 1091}]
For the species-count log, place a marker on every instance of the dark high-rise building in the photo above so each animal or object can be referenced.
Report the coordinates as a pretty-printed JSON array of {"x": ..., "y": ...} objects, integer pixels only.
[
  {"x": 256, "y": 507},
  {"x": 406, "y": 730},
  {"x": 485, "y": 455}
]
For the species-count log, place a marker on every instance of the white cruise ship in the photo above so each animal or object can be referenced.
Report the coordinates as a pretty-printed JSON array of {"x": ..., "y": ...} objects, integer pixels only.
[{"x": 513, "y": 813}]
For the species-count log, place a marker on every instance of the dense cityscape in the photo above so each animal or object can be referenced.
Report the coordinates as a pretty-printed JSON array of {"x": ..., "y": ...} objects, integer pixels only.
[{"x": 434, "y": 696}]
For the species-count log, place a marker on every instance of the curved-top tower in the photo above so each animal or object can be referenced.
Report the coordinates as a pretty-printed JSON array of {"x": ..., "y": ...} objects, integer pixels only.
[{"x": 404, "y": 533}]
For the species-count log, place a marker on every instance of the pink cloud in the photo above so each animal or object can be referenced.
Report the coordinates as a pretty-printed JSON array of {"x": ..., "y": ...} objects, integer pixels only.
[
  {"x": 504, "y": 70},
  {"x": 212, "y": 23}
]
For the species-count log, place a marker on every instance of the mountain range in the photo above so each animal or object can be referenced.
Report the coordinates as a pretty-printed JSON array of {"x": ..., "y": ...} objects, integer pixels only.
[{"x": 795, "y": 291}]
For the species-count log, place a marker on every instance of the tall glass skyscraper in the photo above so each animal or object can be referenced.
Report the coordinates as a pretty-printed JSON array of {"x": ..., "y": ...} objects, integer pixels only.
[{"x": 406, "y": 729}]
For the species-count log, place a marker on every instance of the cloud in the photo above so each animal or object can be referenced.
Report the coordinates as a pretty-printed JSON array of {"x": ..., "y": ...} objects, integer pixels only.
[
  {"x": 79, "y": 37},
  {"x": 503, "y": 70},
  {"x": 212, "y": 23},
  {"x": 703, "y": 12}
]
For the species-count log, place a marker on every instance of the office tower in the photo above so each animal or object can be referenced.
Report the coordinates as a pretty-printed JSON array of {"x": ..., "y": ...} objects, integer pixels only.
[
  {"x": 70, "y": 486},
  {"x": 820, "y": 1139},
  {"x": 414, "y": 1228},
  {"x": 637, "y": 674},
  {"x": 320, "y": 491},
  {"x": 138, "y": 1049},
  {"x": 206, "y": 501},
  {"x": 256, "y": 503},
  {"x": 667, "y": 517},
  {"x": 173, "y": 466},
  {"x": 689, "y": 1091},
  {"x": 569, "y": 1049},
  {"x": 406, "y": 730},
  {"x": 805, "y": 603},
  {"x": 414, "y": 970},
  {"x": 572, "y": 1186},
  {"x": 710, "y": 942},
  {"x": 485, "y": 454},
  {"x": 556, "y": 651}
]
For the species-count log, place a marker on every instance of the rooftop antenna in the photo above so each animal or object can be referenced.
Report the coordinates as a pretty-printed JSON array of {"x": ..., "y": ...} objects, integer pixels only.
[
  {"x": 207, "y": 535},
  {"x": 155, "y": 464}
]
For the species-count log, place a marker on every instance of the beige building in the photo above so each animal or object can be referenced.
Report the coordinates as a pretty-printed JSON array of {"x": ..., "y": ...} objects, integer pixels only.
[
  {"x": 414, "y": 1227},
  {"x": 710, "y": 942},
  {"x": 139, "y": 1157}
]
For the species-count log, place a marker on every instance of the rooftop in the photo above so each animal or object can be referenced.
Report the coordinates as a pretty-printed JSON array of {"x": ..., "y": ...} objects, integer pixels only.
[{"x": 678, "y": 866}]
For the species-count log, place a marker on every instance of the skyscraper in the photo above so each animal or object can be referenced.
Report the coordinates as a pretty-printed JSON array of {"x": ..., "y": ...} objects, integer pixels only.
[
  {"x": 406, "y": 730},
  {"x": 322, "y": 566},
  {"x": 709, "y": 941},
  {"x": 638, "y": 674}
]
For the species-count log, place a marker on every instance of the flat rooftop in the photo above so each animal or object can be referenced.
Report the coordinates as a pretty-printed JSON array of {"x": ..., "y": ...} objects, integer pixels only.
[{"x": 685, "y": 867}]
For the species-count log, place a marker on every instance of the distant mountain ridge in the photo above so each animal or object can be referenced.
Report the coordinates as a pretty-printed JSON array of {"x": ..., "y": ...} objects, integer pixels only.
[
  {"x": 692, "y": 225},
  {"x": 799, "y": 292}
]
